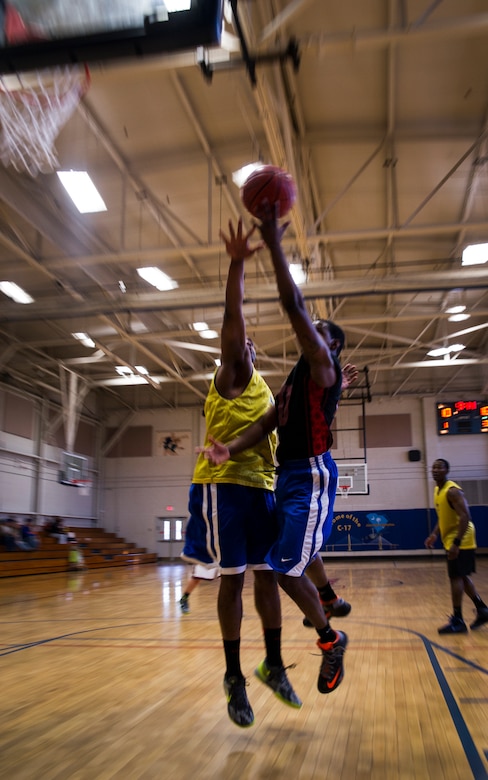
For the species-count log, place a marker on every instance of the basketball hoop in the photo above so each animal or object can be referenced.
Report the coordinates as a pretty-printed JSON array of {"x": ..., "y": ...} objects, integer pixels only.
[
  {"x": 33, "y": 109},
  {"x": 83, "y": 485},
  {"x": 344, "y": 485}
]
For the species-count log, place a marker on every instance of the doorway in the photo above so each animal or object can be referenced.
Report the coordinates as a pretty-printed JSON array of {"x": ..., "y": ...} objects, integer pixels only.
[{"x": 170, "y": 536}]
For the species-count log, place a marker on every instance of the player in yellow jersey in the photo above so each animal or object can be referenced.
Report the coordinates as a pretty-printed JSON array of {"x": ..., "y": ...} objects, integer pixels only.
[
  {"x": 458, "y": 538},
  {"x": 232, "y": 509}
]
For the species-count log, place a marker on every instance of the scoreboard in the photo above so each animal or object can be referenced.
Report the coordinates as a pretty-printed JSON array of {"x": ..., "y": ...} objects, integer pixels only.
[{"x": 461, "y": 417}]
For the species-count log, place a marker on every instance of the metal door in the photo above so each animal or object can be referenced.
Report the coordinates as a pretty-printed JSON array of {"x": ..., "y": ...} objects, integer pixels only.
[{"x": 170, "y": 538}]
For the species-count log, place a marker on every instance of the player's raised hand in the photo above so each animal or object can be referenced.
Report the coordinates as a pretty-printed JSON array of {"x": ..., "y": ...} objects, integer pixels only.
[
  {"x": 237, "y": 242},
  {"x": 349, "y": 375},
  {"x": 271, "y": 231}
]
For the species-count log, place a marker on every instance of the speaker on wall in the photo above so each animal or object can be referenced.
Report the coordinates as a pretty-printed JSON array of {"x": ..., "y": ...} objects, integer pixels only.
[{"x": 414, "y": 455}]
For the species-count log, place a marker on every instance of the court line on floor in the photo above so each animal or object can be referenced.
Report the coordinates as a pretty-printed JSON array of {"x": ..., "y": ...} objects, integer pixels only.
[
  {"x": 472, "y": 755},
  {"x": 471, "y": 752}
]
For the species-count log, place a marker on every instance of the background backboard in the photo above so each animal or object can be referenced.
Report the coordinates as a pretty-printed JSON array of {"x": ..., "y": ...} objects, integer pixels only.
[
  {"x": 359, "y": 474},
  {"x": 36, "y": 34}
]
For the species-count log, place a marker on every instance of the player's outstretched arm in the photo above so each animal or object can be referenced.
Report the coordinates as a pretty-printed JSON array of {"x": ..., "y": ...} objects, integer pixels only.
[
  {"x": 236, "y": 366},
  {"x": 218, "y": 452},
  {"x": 315, "y": 349}
]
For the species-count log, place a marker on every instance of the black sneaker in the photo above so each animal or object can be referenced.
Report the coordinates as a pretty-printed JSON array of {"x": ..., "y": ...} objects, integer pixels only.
[
  {"x": 238, "y": 706},
  {"x": 275, "y": 677},
  {"x": 185, "y": 604},
  {"x": 456, "y": 625},
  {"x": 337, "y": 608},
  {"x": 481, "y": 618},
  {"x": 332, "y": 667}
]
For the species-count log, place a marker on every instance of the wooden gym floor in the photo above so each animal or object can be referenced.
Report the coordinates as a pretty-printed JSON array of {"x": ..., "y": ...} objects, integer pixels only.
[{"x": 102, "y": 677}]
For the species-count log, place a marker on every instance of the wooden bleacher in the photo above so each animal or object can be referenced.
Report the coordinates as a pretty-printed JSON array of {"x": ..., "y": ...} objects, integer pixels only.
[{"x": 101, "y": 550}]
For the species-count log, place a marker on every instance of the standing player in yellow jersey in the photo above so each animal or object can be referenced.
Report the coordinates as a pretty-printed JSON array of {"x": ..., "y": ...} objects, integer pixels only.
[
  {"x": 232, "y": 509},
  {"x": 458, "y": 537}
]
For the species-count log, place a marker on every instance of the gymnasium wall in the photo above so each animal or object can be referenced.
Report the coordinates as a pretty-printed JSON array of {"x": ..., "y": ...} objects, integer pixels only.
[
  {"x": 32, "y": 442},
  {"x": 142, "y": 470},
  {"x": 140, "y": 489}
]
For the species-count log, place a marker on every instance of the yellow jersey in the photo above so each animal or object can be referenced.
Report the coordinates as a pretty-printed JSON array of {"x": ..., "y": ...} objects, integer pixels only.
[
  {"x": 227, "y": 418},
  {"x": 448, "y": 519}
]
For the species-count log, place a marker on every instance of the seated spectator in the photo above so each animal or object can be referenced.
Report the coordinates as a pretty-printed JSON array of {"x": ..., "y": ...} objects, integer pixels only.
[
  {"x": 29, "y": 534},
  {"x": 58, "y": 530},
  {"x": 11, "y": 536}
]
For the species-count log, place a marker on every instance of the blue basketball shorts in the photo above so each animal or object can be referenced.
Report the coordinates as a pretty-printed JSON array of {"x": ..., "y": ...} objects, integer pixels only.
[
  {"x": 305, "y": 494},
  {"x": 231, "y": 525}
]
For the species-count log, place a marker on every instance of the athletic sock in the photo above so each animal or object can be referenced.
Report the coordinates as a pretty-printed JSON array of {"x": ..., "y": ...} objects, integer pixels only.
[
  {"x": 327, "y": 593},
  {"x": 479, "y": 603},
  {"x": 272, "y": 641},
  {"x": 232, "y": 648},
  {"x": 326, "y": 635},
  {"x": 458, "y": 613}
]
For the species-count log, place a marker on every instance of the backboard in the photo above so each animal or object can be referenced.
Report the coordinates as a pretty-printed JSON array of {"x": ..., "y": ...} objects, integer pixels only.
[
  {"x": 36, "y": 34},
  {"x": 73, "y": 469},
  {"x": 356, "y": 474}
]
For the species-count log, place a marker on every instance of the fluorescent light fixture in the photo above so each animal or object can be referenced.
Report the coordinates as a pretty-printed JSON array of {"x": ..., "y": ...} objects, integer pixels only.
[
  {"x": 442, "y": 351},
  {"x": 177, "y": 5},
  {"x": 200, "y": 326},
  {"x": 132, "y": 379},
  {"x": 298, "y": 274},
  {"x": 82, "y": 191},
  {"x": 126, "y": 370},
  {"x": 455, "y": 309},
  {"x": 157, "y": 278},
  {"x": 459, "y": 317},
  {"x": 475, "y": 254},
  {"x": 209, "y": 334},
  {"x": 240, "y": 176},
  {"x": 85, "y": 339},
  {"x": 15, "y": 292}
]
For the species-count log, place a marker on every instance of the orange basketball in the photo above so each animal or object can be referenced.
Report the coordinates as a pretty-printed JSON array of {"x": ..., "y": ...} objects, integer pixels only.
[{"x": 272, "y": 184}]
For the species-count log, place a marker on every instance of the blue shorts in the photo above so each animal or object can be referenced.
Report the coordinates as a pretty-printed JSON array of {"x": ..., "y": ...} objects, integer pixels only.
[
  {"x": 305, "y": 494},
  {"x": 231, "y": 525}
]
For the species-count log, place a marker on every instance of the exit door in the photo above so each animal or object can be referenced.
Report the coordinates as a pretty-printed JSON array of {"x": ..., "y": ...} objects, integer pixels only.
[{"x": 170, "y": 538}]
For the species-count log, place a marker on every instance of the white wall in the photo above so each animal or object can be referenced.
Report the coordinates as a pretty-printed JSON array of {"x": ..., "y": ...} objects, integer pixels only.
[
  {"x": 136, "y": 491},
  {"x": 397, "y": 483},
  {"x": 29, "y": 481}
]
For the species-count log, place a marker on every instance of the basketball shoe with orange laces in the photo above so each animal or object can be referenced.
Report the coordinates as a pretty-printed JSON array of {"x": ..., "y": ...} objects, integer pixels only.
[{"x": 332, "y": 666}]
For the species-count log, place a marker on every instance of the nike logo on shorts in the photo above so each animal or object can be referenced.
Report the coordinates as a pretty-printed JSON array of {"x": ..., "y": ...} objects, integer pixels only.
[{"x": 285, "y": 560}]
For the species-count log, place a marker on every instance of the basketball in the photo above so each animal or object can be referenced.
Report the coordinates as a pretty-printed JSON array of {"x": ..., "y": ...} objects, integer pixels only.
[{"x": 272, "y": 184}]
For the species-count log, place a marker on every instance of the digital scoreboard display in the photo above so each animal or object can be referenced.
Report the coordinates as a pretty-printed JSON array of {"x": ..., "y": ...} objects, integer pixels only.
[{"x": 461, "y": 417}]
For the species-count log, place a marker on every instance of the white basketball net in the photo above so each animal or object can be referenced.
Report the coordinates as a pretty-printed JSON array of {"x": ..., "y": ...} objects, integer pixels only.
[{"x": 33, "y": 109}]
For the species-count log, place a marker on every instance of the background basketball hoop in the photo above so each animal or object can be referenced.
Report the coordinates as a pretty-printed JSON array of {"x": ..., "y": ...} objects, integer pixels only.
[
  {"x": 344, "y": 485},
  {"x": 35, "y": 106},
  {"x": 83, "y": 485},
  {"x": 33, "y": 109}
]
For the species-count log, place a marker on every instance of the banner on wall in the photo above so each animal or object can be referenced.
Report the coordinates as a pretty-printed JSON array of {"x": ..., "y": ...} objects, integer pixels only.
[
  {"x": 173, "y": 443},
  {"x": 391, "y": 530}
]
